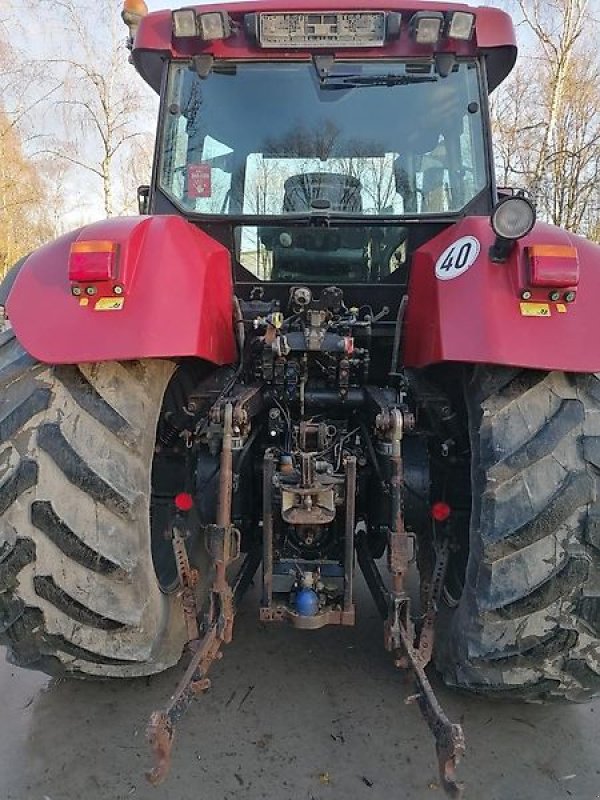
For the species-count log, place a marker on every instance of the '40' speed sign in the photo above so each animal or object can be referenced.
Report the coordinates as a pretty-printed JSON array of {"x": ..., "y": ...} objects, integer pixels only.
[{"x": 457, "y": 258}]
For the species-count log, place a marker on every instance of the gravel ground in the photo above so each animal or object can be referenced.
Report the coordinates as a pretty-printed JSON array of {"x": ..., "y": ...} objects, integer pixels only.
[{"x": 292, "y": 715}]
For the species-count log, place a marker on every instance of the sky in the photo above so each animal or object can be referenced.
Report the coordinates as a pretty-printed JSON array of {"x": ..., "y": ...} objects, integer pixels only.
[{"x": 157, "y": 5}]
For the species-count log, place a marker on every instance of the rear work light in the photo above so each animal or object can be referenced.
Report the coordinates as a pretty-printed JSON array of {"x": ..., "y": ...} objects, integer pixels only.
[
  {"x": 426, "y": 26},
  {"x": 323, "y": 29},
  {"x": 208, "y": 26},
  {"x": 214, "y": 25},
  {"x": 92, "y": 262},
  {"x": 184, "y": 23},
  {"x": 461, "y": 25},
  {"x": 513, "y": 218}
]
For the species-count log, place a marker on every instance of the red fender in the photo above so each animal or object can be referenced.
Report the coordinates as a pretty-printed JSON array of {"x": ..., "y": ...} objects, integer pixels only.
[
  {"x": 479, "y": 315},
  {"x": 176, "y": 299}
]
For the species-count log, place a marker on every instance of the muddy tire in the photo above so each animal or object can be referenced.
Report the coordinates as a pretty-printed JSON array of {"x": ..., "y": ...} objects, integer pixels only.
[
  {"x": 527, "y": 625},
  {"x": 78, "y": 590}
]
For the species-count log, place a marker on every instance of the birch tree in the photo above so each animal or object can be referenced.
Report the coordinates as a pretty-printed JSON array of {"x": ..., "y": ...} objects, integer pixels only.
[
  {"x": 547, "y": 116},
  {"x": 102, "y": 101},
  {"x": 24, "y": 219}
]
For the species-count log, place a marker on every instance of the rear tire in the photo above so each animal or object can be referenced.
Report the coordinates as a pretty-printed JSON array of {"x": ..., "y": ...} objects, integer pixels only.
[
  {"x": 527, "y": 624},
  {"x": 78, "y": 590}
]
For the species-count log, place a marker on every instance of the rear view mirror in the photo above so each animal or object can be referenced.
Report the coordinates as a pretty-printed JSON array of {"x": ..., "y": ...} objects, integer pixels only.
[{"x": 143, "y": 196}]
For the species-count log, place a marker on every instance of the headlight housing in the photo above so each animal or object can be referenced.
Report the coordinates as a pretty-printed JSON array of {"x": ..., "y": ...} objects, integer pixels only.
[{"x": 513, "y": 218}]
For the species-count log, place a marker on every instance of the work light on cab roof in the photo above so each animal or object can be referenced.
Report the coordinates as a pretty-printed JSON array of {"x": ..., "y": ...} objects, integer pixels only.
[{"x": 314, "y": 29}]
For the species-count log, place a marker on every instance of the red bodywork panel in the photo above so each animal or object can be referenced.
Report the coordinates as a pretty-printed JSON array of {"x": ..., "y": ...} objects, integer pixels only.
[
  {"x": 177, "y": 300},
  {"x": 479, "y": 315},
  {"x": 176, "y": 297}
]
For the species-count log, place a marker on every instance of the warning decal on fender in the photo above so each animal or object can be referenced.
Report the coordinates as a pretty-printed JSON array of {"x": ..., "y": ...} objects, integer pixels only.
[
  {"x": 457, "y": 258},
  {"x": 535, "y": 309},
  {"x": 110, "y": 304}
]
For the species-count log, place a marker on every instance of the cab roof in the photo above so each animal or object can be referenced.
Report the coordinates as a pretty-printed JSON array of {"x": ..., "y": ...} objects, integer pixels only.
[{"x": 494, "y": 36}]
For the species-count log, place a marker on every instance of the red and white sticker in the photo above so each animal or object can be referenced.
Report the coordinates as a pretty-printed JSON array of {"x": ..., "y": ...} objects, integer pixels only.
[
  {"x": 199, "y": 181},
  {"x": 457, "y": 258}
]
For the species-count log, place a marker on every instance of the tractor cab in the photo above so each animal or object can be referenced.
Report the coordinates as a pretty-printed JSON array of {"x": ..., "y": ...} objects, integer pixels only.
[{"x": 323, "y": 148}]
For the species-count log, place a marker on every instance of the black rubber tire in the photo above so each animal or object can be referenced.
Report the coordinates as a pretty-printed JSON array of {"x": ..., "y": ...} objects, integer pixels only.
[
  {"x": 78, "y": 591},
  {"x": 527, "y": 625}
]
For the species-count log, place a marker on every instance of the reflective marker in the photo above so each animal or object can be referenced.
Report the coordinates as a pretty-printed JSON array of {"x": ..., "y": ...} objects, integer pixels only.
[
  {"x": 440, "y": 511},
  {"x": 184, "y": 501}
]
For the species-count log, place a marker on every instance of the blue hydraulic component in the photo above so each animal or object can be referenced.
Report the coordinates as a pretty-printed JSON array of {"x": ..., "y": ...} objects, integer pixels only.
[{"x": 307, "y": 603}]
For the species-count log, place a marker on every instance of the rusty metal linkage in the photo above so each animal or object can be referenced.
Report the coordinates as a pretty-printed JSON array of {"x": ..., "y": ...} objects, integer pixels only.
[
  {"x": 268, "y": 474},
  {"x": 449, "y": 736},
  {"x": 350, "y": 525},
  {"x": 188, "y": 579},
  {"x": 398, "y": 539},
  {"x": 394, "y": 606},
  {"x": 223, "y": 544},
  {"x": 392, "y": 424},
  {"x": 161, "y": 728},
  {"x": 426, "y": 637},
  {"x": 311, "y": 501}
]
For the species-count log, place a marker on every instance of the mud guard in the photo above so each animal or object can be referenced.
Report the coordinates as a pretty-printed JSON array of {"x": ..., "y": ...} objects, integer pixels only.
[
  {"x": 475, "y": 312},
  {"x": 176, "y": 295}
]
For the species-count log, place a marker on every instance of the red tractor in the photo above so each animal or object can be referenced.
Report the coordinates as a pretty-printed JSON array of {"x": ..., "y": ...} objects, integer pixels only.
[{"x": 328, "y": 338}]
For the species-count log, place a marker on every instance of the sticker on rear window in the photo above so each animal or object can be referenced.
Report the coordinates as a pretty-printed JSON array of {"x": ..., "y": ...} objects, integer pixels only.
[
  {"x": 199, "y": 180},
  {"x": 457, "y": 258}
]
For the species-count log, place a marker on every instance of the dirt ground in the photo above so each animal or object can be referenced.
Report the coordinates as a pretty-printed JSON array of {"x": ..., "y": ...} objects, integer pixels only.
[{"x": 291, "y": 716}]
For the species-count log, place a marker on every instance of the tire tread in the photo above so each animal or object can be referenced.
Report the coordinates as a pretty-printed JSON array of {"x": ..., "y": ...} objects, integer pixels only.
[{"x": 493, "y": 646}]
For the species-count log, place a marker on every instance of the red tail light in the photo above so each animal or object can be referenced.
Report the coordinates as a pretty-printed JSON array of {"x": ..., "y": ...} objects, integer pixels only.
[
  {"x": 553, "y": 266},
  {"x": 90, "y": 262}
]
